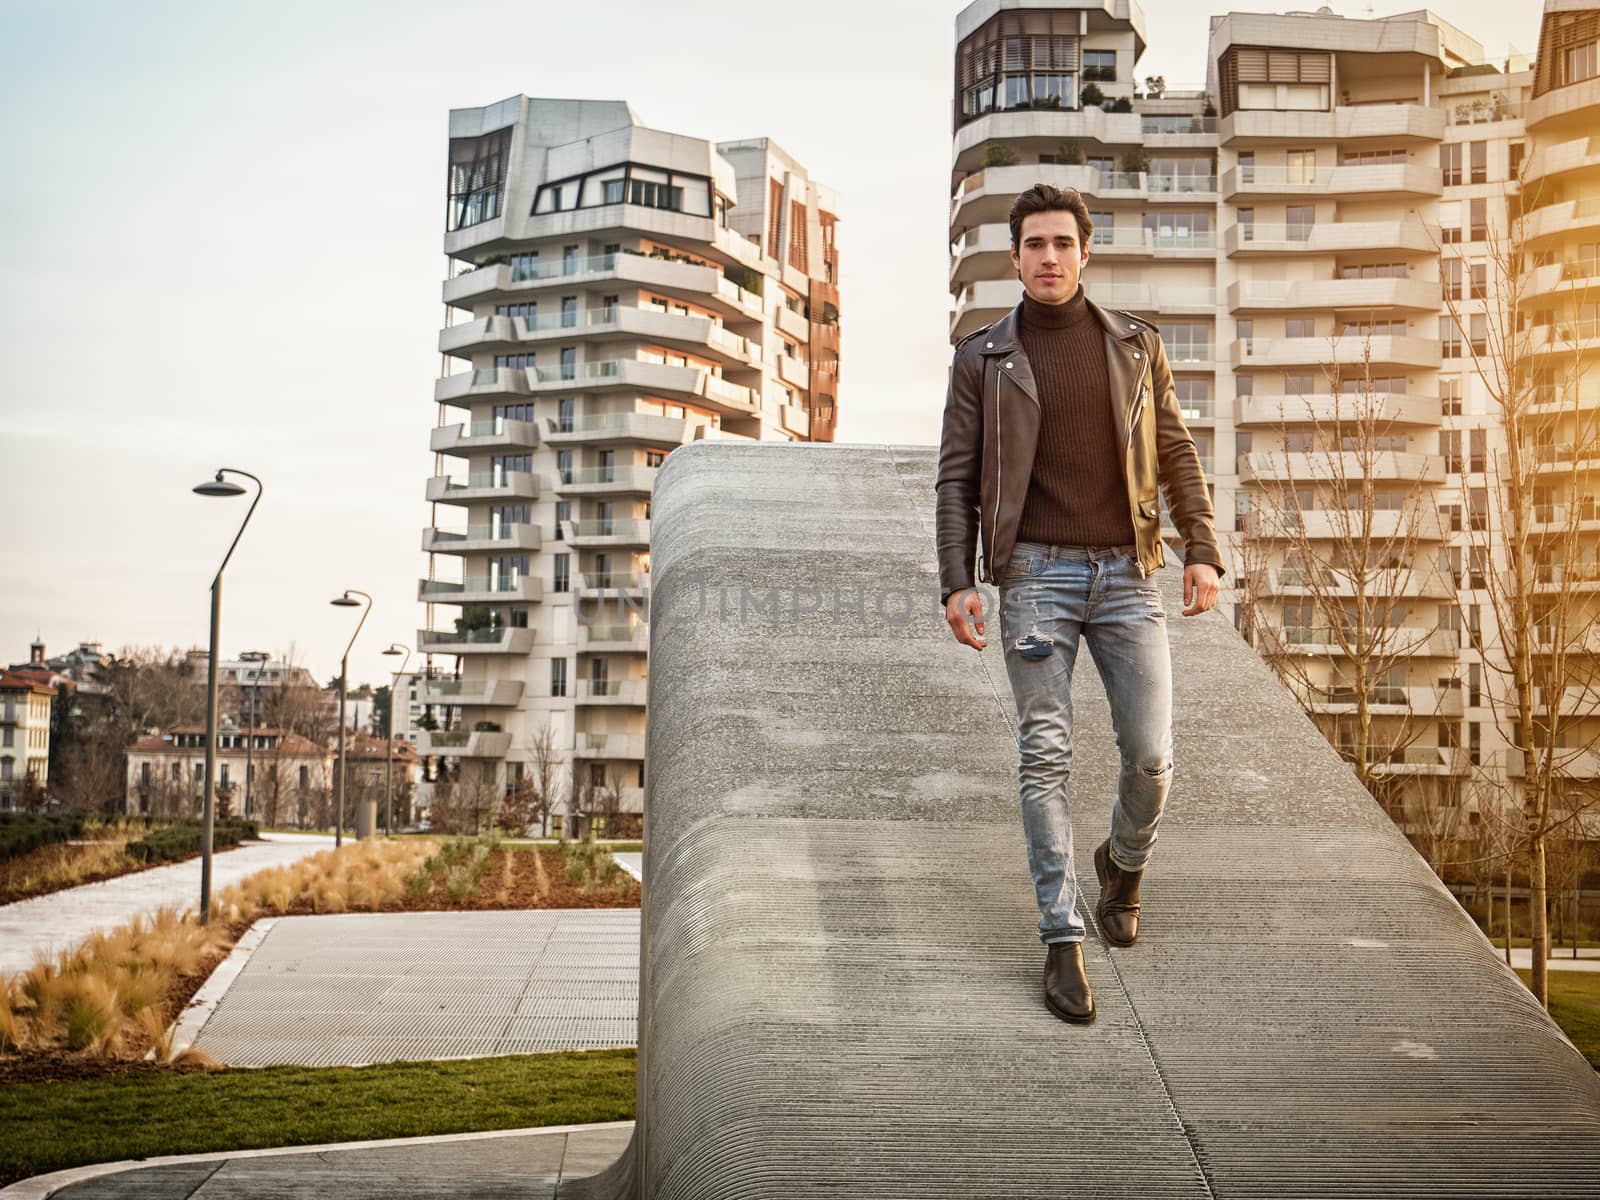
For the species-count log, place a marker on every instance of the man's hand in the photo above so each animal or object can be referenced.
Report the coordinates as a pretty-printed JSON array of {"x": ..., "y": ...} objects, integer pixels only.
[
  {"x": 963, "y": 610},
  {"x": 1200, "y": 588}
]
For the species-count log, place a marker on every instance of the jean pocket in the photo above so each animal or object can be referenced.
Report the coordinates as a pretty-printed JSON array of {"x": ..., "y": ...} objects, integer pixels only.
[{"x": 1022, "y": 563}]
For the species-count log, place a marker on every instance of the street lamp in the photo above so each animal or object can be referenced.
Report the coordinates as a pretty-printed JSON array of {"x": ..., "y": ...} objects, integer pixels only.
[
  {"x": 388, "y": 736},
  {"x": 259, "y": 657},
  {"x": 346, "y": 601},
  {"x": 216, "y": 486}
]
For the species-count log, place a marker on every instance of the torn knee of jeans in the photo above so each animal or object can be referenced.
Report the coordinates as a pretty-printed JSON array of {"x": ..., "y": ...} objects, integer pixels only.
[
  {"x": 1033, "y": 644},
  {"x": 1158, "y": 770}
]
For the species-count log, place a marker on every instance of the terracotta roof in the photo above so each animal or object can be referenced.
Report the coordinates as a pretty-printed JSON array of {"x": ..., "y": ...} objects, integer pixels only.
[
  {"x": 291, "y": 744},
  {"x": 25, "y": 681}
]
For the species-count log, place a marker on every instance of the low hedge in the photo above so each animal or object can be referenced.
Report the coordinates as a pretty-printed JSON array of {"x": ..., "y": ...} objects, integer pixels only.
[
  {"x": 173, "y": 842},
  {"x": 22, "y": 832}
]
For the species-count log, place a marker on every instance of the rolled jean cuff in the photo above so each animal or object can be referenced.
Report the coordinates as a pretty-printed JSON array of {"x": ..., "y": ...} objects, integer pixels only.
[{"x": 1052, "y": 938}]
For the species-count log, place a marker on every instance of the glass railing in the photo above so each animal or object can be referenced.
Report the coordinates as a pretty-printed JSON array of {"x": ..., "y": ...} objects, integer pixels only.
[
  {"x": 1483, "y": 111},
  {"x": 523, "y": 271},
  {"x": 1176, "y": 124},
  {"x": 1187, "y": 352},
  {"x": 614, "y": 633},
  {"x": 617, "y": 579},
  {"x": 625, "y": 473},
  {"x": 472, "y": 637},
  {"x": 1181, "y": 184},
  {"x": 1275, "y": 233},
  {"x": 1111, "y": 181},
  {"x": 493, "y": 583},
  {"x": 1287, "y": 176},
  {"x": 1582, "y": 268},
  {"x": 455, "y": 687},
  {"x": 449, "y": 737},
  {"x": 613, "y": 528},
  {"x": 1166, "y": 239}
]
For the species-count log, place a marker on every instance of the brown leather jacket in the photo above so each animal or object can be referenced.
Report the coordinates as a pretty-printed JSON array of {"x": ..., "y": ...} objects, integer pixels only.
[{"x": 991, "y": 422}]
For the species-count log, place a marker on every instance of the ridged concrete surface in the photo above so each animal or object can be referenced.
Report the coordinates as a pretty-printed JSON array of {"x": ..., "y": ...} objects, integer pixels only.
[
  {"x": 377, "y": 987},
  {"x": 841, "y": 980}
]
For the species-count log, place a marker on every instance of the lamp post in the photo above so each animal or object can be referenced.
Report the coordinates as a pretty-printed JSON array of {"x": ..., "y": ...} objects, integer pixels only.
[
  {"x": 259, "y": 657},
  {"x": 346, "y": 601},
  {"x": 216, "y": 486},
  {"x": 388, "y": 737}
]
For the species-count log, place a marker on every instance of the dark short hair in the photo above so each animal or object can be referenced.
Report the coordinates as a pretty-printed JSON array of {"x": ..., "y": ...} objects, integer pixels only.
[{"x": 1044, "y": 197}]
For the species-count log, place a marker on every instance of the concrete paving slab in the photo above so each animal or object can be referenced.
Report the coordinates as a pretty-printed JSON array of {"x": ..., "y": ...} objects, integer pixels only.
[
  {"x": 359, "y": 988},
  {"x": 47, "y": 924}
]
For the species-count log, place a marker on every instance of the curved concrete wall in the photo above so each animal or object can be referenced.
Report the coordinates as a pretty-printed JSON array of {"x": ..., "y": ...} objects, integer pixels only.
[{"x": 841, "y": 980}]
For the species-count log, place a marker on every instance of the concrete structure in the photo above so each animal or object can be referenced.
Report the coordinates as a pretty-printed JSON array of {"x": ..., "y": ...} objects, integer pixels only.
[
  {"x": 841, "y": 978},
  {"x": 616, "y": 291},
  {"x": 290, "y": 775},
  {"x": 24, "y": 737},
  {"x": 1316, "y": 199}
]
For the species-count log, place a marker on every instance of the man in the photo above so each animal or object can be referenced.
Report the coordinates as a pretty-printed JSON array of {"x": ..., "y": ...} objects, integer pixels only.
[{"x": 1060, "y": 426}]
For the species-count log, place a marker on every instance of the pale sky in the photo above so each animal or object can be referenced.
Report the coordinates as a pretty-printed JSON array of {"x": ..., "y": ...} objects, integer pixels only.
[{"x": 221, "y": 230}]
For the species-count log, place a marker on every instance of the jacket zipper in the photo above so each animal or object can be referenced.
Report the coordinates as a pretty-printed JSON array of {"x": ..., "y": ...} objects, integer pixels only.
[
  {"x": 1144, "y": 398},
  {"x": 994, "y": 523}
]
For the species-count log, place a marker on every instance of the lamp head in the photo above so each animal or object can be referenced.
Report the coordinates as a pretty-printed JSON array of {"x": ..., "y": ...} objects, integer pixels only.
[
  {"x": 395, "y": 650},
  {"x": 218, "y": 487},
  {"x": 345, "y": 601}
]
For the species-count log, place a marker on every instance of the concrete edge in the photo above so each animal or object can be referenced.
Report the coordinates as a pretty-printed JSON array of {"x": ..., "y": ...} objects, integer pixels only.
[
  {"x": 204, "y": 1002},
  {"x": 636, "y": 872},
  {"x": 41, "y": 1187}
]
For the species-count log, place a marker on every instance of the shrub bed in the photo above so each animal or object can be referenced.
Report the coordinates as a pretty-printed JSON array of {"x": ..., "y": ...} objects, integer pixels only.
[
  {"x": 23, "y": 832},
  {"x": 180, "y": 841}
]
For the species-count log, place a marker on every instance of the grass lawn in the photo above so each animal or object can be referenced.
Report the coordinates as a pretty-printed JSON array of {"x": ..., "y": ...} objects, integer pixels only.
[
  {"x": 1575, "y": 1005},
  {"x": 50, "y": 1126}
]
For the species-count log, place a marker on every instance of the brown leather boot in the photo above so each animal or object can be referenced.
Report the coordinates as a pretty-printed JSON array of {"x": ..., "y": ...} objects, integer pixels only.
[
  {"x": 1117, "y": 910},
  {"x": 1066, "y": 987}
]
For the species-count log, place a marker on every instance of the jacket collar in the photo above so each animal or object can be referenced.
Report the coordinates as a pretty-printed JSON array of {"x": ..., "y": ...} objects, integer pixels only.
[{"x": 1003, "y": 336}]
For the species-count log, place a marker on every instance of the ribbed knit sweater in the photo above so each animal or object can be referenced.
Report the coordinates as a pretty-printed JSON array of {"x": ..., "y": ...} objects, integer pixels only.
[{"x": 1077, "y": 495}]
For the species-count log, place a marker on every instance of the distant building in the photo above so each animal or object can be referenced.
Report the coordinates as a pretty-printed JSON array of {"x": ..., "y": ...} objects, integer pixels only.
[
  {"x": 371, "y": 761},
  {"x": 289, "y": 776},
  {"x": 24, "y": 736}
]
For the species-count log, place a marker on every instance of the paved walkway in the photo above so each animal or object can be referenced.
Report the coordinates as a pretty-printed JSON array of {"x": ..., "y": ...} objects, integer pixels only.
[
  {"x": 516, "y": 1165},
  {"x": 633, "y": 864},
  {"x": 1587, "y": 960},
  {"x": 61, "y": 919},
  {"x": 376, "y": 987}
]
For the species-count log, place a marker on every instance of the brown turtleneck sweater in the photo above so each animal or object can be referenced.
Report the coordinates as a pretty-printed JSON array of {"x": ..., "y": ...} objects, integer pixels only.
[{"x": 1076, "y": 495}]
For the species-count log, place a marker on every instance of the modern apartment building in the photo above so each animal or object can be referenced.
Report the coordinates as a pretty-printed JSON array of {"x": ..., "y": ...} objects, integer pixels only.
[
  {"x": 1293, "y": 226},
  {"x": 615, "y": 291}
]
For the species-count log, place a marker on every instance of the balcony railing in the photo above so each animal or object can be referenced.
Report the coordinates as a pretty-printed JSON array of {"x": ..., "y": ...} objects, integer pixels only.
[
  {"x": 473, "y": 637},
  {"x": 1482, "y": 112},
  {"x": 1251, "y": 232},
  {"x": 1581, "y": 268},
  {"x": 473, "y": 583},
  {"x": 1176, "y": 124},
  {"x": 1181, "y": 184}
]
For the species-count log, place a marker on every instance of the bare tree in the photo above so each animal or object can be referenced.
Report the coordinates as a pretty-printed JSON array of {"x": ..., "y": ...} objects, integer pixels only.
[
  {"x": 1342, "y": 528},
  {"x": 1540, "y": 656}
]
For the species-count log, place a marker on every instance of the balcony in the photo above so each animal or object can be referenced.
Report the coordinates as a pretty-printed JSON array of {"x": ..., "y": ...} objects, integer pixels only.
[
  {"x": 1579, "y": 339},
  {"x": 621, "y": 639},
  {"x": 483, "y": 335},
  {"x": 496, "y": 435},
  {"x": 1422, "y": 760},
  {"x": 599, "y": 534},
  {"x": 1046, "y": 128},
  {"x": 609, "y": 745},
  {"x": 1345, "y": 525},
  {"x": 1558, "y": 519},
  {"x": 645, "y": 428},
  {"x": 1561, "y": 105},
  {"x": 985, "y": 197},
  {"x": 1280, "y": 295},
  {"x": 698, "y": 335},
  {"x": 1387, "y": 350},
  {"x": 1407, "y": 237},
  {"x": 983, "y": 303},
  {"x": 480, "y": 539},
  {"x": 1561, "y": 158},
  {"x": 613, "y": 583},
  {"x": 505, "y": 640},
  {"x": 482, "y": 589},
  {"x": 606, "y": 481},
  {"x": 795, "y": 419},
  {"x": 1278, "y": 466},
  {"x": 793, "y": 324},
  {"x": 472, "y": 693},
  {"x": 1412, "y": 123},
  {"x": 1564, "y": 218},
  {"x": 1400, "y": 640},
  {"x": 1383, "y": 700},
  {"x": 620, "y": 693},
  {"x": 462, "y": 743},
  {"x": 695, "y": 385},
  {"x": 794, "y": 372},
  {"x": 1152, "y": 298},
  {"x": 1188, "y": 188},
  {"x": 683, "y": 280},
  {"x": 466, "y": 388},
  {"x": 1580, "y": 576},
  {"x": 1379, "y": 410},
  {"x": 480, "y": 486},
  {"x": 1396, "y": 181},
  {"x": 1420, "y": 582}
]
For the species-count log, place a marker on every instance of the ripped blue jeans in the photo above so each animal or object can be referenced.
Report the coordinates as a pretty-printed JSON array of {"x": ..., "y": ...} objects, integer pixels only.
[{"x": 1052, "y": 595}]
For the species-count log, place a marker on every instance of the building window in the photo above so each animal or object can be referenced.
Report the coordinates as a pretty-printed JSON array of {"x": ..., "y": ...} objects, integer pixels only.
[
  {"x": 560, "y": 581},
  {"x": 1450, "y": 163},
  {"x": 563, "y": 515},
  {"x": 1301, "y": 166},
  {"x": 305, "y": 779},
  {"x": 558, "y": 677},
  {"x": 1450, "y": 394},
  {"x": 569, "y": 359},
  {"x": 1449, "y": 337},
  {"x": 1577, "y": 64},
  {"x": 477, "y": 178},
  {"x": 1100, "y": 66},
  {"x": 1450, "y": 277},
  {"x": 1479, "y": 159},
  {"x": 1298, "y": 221},
  {"x": 1477, "y": 220}
]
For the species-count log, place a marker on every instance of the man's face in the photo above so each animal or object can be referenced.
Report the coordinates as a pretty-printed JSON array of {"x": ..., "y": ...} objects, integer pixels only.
[{"x": 1051, "y": 256}]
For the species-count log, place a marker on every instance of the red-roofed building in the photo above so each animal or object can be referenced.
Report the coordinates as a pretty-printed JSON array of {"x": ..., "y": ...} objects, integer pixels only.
[
  {"x": 24, "y": 738},
  {"x": 289, "y": 776}
]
